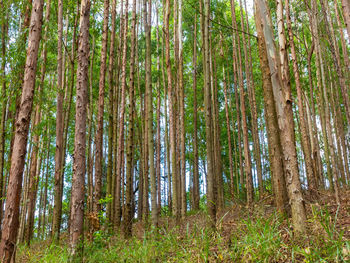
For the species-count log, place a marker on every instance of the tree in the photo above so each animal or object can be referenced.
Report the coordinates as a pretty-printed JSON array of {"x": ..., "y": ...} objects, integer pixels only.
[
  {"x": 211, "y": 202},
  {"x": 282, "y": 97},
  {"x": 11, "y": 218},
  {"x": 99, "y": 132},
  {"x": 57, "y": 212},
  {"x": 78, "y": 189}
]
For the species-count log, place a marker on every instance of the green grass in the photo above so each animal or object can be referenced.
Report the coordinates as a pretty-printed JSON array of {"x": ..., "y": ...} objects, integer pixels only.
[{"x": 254, "y": 239}]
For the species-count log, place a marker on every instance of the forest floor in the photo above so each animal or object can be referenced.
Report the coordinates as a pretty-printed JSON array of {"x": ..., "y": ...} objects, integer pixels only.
[{"x": 243, "y": 235}]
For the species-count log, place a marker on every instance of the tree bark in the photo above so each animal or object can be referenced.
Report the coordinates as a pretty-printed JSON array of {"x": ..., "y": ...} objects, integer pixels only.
[
  {"x": 10, "y": 223},
  {"x": 101, "y": 94},
  {"x": 111, "y": 131},
  {"x": 57, "y": 211},
  {"x": 130, "y": 142},
  {"x": 211, "y": 202},
  {"x": 78, "y": 180},
  {"x": 252, "y": 101},
  {"x": 196, "y": 193},
  {"x": 4, "y": 36},
  {"x": 247, "y": 158},
  {"x": 283, "y": 103},
  {"x": 305, "y": 141},
  {"x": 172, "y": 120},
  {"x": 118, "y": 209}
]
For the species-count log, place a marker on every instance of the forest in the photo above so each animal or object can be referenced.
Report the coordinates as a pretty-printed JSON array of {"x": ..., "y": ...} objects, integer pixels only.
[{"x": 175, "y": 131}]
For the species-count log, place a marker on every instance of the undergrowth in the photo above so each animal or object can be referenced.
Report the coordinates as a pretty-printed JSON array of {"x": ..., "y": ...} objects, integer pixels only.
[{"x": 253, "y": 239}]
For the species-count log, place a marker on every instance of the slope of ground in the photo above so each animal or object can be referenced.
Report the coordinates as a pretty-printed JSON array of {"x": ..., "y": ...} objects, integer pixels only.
[{"x": 243, "y": 235}]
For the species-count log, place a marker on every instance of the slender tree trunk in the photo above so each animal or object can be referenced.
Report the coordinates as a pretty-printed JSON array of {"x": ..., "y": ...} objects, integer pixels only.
[
  {"x": 182, "y": 114},
  {"x": 172, "y": 120},
  {"x": 235, "y": 70},
  {"x": 219, "y": 191},
  {"x": 10, "y": 223},
  {"x": 166, "y": 137},
  {"x": 118, "y": 209},
  {"x": 196, "y": 194},
  {"x": 4, "y": 36},
  {"x": 303, "y": 127},
  {"x": 57, "y": 212},
  {"x": 232, "y": 187},
  {"x": 33, "y": 183},
  {"x": 78, "y": 180},
  {"x": 111, "y": 131},
  {"x": 211, "y": 202},
  {"x": 247, "y": 159},
  {"x": 282, "y": 97},
  {"x": 130, "y": 142},
  {"x": 101, "y": 94},
  {"x": 68, "y": 100},
  {"x": 90, "y": 155},
  {"x": 252, "y": 100},
  {"x": 158, "y": 172},
  {"x": 149, "y": 114}
]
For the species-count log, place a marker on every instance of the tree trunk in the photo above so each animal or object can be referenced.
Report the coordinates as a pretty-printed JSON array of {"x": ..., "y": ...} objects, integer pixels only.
[
  {"x": 57, "y": 212},
  {"x": 228, "y": 127},
  {"x": 252, "y": 101},
  {"x": 111, "y": 131},
  {"x": 305, "y": 141},
  {"x": 196, "y": 193},
  {"x": 130, "y": 142},
  {"x": 4, "y": 35},
  {"x": 101, "y": 94},
  {"x": 211, "y": 202},
  {"x": 235, "y": 70},
  {"x": 118, "y": 209},
  {"x": 282, "y": 97},
  {"x": 158, "y": 172},
  {"x": 247, "y": 159},
  {"x": 78, "y": 179},
  {"x": 172, "y": 120},
  {"x": 10, "y": 223}
]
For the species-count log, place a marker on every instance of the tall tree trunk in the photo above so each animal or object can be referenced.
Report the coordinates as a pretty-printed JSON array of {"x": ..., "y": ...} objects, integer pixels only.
[
  {"x": 211, "y": 202},
  {"x": 158, "y": 172},
  {"x": 305, "y": 141},
  {"x": 247, "y": 159},
  {"x": 118, "y": 209},
  {"x": 101, "y": 94},
  {"x": 235, "y": 70},
  {"x": 130, "y": 142},
  {"x": 57, "y": 212},
  {"x": 252, "y": 100},
  {"x": 172, "y": 119},
  {"x": 182, "y": 114},
  {"x": 90, "y": 155},
  {"x": 78, "y": 180},
  {"x": 149, "y": 114},
  {"x": 219, "y": 189},
  {"x": 4, "y": 33},
  {"x": 282, "y": 97},
  {"x": 196, "y": 194},
  {"x": 116, "y": 98},
  {"x": 33, "y": 182},
  {"x": 10, "y": 223},
  {"x": 111, "y": 131},
  {"x": 228, "y": 127}
]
